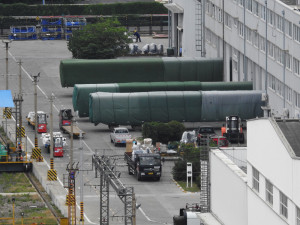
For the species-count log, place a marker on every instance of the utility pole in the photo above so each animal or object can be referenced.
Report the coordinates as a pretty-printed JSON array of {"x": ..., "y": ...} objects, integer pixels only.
[
  {"x": 266, "y": 69},
  {"x": 36, "y": 151},
  {"x": 52, "y": 174},
  {"x": 81, "y": 180},
  {"x": 6, "y": 60}
]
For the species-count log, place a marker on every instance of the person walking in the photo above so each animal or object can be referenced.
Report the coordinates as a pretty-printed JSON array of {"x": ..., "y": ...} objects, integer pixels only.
[{"x": 138, "y": 36}]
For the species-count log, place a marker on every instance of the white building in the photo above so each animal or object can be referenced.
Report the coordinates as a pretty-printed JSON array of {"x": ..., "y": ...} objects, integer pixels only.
[
  {"x": 240, "y": 37},
  {"x": 270, "y": 191}
]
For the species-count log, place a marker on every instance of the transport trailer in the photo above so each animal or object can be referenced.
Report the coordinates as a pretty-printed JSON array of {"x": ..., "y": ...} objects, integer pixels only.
[
  {"x": 81, "y": 92},
  {"x": 88, "y": 71},
  {"x": 65, "y": 119}
]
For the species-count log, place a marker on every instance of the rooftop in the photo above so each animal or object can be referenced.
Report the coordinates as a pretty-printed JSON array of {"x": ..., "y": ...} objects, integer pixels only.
[{"x": 291, "y": 129}]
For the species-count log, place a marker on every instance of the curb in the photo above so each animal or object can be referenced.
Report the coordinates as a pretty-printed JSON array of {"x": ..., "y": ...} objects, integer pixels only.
[{"x": 183, "y": 189}]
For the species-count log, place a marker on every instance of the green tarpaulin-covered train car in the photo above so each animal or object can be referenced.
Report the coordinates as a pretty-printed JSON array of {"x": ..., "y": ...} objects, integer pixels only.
[
  {"x": 189, "y": 106},
  {"x": 81, "y": 91},
  {"x": 85, "y": 71}
]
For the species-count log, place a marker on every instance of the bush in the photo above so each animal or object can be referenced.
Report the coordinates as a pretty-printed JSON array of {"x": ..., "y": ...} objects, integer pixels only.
[
  {"x": 21, "y": 9},
  {"x": 163, "y": 132},
  {"x": 190, "y": 154}
]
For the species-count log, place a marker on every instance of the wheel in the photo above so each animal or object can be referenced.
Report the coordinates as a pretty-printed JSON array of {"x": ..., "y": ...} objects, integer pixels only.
[
  {"x": 129, "y": 171},
  {"x": 242, "y": 139},
  {"x": 48, "y": 149},
  {"x": 111, "y": 141},
  {"x": 139, "y": 178},
  {"x": 115, "y": 144},
  {"x": 158, "y": 179},
  {"x": 28, "y": 122}
]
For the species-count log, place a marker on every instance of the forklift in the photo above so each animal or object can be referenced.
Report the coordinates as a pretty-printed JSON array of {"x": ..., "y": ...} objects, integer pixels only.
[
  {"x": 65, "y": 120},
  {"x": 233, "y": 130}
]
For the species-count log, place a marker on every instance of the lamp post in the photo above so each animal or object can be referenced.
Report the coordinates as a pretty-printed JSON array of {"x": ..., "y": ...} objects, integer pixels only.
[{"x": 22, "y": 215}]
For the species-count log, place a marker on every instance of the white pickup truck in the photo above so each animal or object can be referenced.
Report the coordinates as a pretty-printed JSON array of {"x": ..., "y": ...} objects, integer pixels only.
[{"x": 119, "y": 135}]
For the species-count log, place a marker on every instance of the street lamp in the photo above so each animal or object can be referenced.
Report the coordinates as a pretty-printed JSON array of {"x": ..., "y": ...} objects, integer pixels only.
[{"x": 22, "y": 215}]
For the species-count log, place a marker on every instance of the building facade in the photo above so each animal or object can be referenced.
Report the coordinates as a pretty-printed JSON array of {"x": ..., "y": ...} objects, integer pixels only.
[
  {"x": 258, "y": 39},
  {"x": 269, "y": 193}
]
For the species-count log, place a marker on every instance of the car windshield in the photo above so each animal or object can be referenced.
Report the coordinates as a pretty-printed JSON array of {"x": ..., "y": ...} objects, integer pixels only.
[
  {"x": 123, "y": 131},
  {"x": 232, "y": 124},
  {"x": 42, "y": 118},
  {"x": 147, "y": 160},
  {"x": 206, "y": 130},
  {"x": 58, "y": 142}
]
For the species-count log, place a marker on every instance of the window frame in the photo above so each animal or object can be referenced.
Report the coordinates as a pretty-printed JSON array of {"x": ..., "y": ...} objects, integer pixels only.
[
  {"x": 255, "y": 179},
  {"x": 283, "y": 205},
  {"x": 269, "y": 192}
]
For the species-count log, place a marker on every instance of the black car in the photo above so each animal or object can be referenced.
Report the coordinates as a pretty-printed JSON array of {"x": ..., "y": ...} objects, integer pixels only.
[{"x": 204, "y": 132}]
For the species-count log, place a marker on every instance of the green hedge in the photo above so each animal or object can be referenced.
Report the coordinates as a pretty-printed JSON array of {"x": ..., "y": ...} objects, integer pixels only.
[
  {"x": 163, "y": 132},
  {"x": 30, "y": 2},
  {"x": 20, "y": 9}
]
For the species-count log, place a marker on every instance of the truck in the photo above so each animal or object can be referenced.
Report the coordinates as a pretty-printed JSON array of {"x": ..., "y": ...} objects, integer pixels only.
[
  {"x": 41, "y": 121},
  {"x": 59, "y": 142},
  {"x": 119, "y": 135},
  {"x": 233, "y": 130},
  {"x": 65, "y": 119},
  {"x": 144, "y": 164}
]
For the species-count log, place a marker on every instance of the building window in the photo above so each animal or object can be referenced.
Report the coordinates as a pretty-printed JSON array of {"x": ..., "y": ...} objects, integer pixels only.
[
  {"x": 269, "y": 192},
  {"x": 235, "y": 65},
  {"x": 271, "y": 49},
  {"x": 296, "y": 66},
  {"x": 279, "y": 22},
  {"x": 262, "y": 44},
  {"x": 255, "y": 179},
  {"x": 242, "y": 2},
  {"x": 272, "y": 82},
  {"x": 249, "y": 5},
  {"x": 271, "y": 17},
  {"x": 220, "y": 16},
  {"x": 228, "y": 20},
  {"x": 288, "y": 61},
  {"x": 248, "y": 34},
  {"x": 297, "y": 99},
  {"x": 296, "y": 33},
  {"x": 235, "y": 22},
  {"x": 288, "y": 28},
  {"x": 255, "y": 8},
  {"x": 279, "y": 87},
  {"x": 263, "y": 12},
  {"x": 241, "y": 29},
  {"x": 283, "y": 205},
  {"x": 298, "y": 216},
  {"x": 288, "y": 95},
  {"x": 255, "y": 39},
  {"x": 279, "y": 55}
]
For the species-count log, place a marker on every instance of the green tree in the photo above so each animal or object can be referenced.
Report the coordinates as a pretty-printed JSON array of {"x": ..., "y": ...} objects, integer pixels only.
[{"x": 103, "y": 40}]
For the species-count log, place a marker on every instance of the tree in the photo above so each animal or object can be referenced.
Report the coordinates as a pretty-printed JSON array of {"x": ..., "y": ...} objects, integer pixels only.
[{"x": 103, "y": 40}]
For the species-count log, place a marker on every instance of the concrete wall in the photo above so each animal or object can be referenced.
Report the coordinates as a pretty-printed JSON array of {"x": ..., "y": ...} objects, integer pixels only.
[
  {"x": 268, "y": 153},
  {"x": 228, "y": 190}
]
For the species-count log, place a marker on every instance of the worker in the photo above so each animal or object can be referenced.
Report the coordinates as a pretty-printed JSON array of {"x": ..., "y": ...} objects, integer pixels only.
[
  {"x": 138, "y": 36},
  {"x": 223, "y": 130}
]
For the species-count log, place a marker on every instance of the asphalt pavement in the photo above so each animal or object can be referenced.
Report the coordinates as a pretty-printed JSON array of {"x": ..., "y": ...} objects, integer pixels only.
[{"x": 160, "y": 201}]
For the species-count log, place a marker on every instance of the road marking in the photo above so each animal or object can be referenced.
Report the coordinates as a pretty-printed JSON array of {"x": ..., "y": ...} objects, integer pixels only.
[{"x": 32, "y": 142}]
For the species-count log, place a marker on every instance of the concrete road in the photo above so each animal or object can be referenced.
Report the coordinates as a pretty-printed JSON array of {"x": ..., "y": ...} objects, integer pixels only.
[{"x": 160, "y": 201}]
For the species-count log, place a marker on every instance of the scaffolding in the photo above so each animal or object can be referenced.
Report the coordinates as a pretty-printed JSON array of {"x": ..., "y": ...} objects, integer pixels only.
[{"x": 204, "y": 175}]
